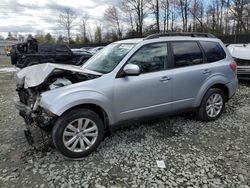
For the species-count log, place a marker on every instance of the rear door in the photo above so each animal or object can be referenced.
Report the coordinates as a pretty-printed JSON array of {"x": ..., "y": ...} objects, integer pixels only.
[
  {"x": 46, "y": 53},
  {"x": 190, "y": 72},
  {"x": 63, "y": 54}
]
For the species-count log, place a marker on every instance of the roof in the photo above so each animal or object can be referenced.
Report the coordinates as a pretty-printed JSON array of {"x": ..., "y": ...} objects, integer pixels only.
[{"x": 132, "y": 41}]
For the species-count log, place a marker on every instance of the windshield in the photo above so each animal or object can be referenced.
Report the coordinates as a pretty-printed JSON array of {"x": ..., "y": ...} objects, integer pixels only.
[{"x": 108, "y": 58}]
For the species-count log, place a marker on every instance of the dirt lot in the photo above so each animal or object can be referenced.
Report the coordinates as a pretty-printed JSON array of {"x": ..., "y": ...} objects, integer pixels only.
[{"x": 196, "y": 154}]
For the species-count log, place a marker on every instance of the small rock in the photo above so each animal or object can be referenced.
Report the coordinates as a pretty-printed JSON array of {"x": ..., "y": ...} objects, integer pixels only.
[
  {"x": 15, "y": 170},
  {"x": 210, "y": 175},
  {"x": 241, "y": 178},
  {"x": 99, "y": 186}
]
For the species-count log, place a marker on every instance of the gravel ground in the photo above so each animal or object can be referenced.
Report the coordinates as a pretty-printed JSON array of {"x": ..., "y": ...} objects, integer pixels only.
[{"x": 196, "y": 154}]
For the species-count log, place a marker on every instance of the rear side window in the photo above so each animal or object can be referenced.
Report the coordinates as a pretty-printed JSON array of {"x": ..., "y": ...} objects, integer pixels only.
[
  {"x": 43, "y": 48},
  {"x": 213, "y": 51},
  {"x": 186, "y": 54},
  {"x": 61, "y": 48}
]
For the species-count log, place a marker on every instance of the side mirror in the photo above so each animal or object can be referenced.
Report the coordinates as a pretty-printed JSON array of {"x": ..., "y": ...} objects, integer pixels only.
[{"x": 131, "y": 70}]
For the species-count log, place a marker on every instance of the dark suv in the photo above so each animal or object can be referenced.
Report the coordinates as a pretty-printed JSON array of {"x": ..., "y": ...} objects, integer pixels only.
[{"x": 31, "y": 53}]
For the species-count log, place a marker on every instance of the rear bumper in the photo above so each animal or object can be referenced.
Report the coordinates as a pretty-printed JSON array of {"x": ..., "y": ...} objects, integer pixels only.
[{"x": 243, "y": 72}]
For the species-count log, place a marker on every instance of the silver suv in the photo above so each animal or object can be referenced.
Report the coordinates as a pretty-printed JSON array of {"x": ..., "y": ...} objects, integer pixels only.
[{"x": 128, "y": 80}]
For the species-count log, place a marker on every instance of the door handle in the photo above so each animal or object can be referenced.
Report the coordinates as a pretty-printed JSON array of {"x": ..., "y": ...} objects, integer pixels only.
[
  {"x": 207, "y": 71},
  {"x": 165, "y": 78}
]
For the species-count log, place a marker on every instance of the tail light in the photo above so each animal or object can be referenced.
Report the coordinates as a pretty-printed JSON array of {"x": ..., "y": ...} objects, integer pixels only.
[{"x": 233, "y": 66}]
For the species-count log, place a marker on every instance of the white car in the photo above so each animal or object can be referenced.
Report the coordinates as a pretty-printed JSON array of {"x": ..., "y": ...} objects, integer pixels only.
[{"x": 241, "y": 54}]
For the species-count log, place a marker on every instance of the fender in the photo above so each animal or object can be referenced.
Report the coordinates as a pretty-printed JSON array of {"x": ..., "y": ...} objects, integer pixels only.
[
  {"x": 58, "y": 104},
  {"x": 214, "y": 79}
]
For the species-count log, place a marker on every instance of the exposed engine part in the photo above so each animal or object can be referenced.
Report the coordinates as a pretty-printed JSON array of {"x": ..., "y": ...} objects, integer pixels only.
[
  {"x": 35, "y": 105},
  {"x": 29, "y": 136},
  {"x": 60, "y": 82}
]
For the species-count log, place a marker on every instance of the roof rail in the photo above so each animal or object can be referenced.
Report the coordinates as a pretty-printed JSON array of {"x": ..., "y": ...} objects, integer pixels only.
[{"x": 188, "y": 34}]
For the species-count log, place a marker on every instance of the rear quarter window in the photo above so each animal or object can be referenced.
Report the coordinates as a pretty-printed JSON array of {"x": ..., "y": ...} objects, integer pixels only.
[{"x": 213, "y": 51}]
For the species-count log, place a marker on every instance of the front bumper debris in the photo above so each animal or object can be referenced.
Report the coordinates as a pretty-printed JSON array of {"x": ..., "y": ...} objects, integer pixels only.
[
  {"x": 29, "y": 137},
  {"x": 22, "y": 107}
]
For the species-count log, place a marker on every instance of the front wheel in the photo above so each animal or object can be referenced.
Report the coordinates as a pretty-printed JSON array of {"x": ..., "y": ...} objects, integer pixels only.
[
  {"x": 212, "y": 105},
  {"x": 78, "y": 133}
]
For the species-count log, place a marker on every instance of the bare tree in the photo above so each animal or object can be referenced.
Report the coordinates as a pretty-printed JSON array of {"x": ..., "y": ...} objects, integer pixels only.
[
  {"x": 156, "y": 11},
  {"x": 112, "y": 16},
  {"x": 197, "y": 12},
  {"x": 139, "y": 9},
  {"x": 128, "y": 17},
  {"x": 183, "y": 4},
  {"x": 173, "y": 15},
  {"x": 238, "y": 12},
  {"x": 83, "y": 27},
  {"x": 67, "y": 20},
  {"x": 98, "y": 34},
  {"x": 165, "y": 8}
]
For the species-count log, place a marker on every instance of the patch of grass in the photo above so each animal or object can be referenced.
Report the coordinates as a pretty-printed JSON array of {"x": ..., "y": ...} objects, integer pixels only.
[{"x": 5, "y": 61}]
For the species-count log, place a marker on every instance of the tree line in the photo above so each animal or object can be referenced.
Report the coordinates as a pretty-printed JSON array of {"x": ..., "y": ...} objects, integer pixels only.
[{"x": 137, "y": 18}]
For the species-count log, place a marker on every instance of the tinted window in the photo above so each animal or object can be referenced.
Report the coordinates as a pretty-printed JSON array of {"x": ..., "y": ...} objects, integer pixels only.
[
  {"x": 213, "y": 50},
  {"x": 151, "y": 58},
  {"x": 61, "y": 48},
  {"x": 186, "y": 53},
  {"x": 46, "y": 48}
]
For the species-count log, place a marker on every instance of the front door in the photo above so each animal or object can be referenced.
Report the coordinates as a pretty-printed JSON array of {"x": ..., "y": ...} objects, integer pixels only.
[{"x": 149, "y": 93}]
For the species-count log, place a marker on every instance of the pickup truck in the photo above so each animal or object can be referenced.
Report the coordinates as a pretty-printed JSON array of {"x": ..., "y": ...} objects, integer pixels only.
[{"x": 31, "y": 53}]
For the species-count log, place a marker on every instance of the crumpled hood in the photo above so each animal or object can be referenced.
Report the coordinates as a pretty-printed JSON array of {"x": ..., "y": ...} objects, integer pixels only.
[
  {"x": 240, "y": 51},
  {"x": 35, "y": 75}
]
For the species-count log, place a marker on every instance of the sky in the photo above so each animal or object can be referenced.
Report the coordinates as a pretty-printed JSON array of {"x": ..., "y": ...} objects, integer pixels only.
[{"x": 33, "y": 16}]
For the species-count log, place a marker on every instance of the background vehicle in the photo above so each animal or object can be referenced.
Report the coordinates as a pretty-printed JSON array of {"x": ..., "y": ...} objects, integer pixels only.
[
  {"x": 241, "y": 55},
  {"x": 80, "y": 51},
  {"x": 7, "y": 50},
  {"x": 96, "y": 49},
  {"x": 86, "y": 48},
  {"x": 128, "y": 80},
  {"x": 30, "y": 53}
]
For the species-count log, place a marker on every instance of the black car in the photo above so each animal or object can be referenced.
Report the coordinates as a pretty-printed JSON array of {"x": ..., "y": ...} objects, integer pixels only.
[{"x": 31, "y": 53}]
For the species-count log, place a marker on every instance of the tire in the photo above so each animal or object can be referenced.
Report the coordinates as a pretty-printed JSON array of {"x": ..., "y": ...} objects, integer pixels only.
[
  {"x": 13, "y": 57},
  {"x": 63, "y": 133},
  {"x": 216, "y": 108}
]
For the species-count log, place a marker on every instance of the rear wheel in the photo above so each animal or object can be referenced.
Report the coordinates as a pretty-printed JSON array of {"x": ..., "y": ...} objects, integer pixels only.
[
  {"x": 212, "y": 105},
  {"x": 78, "y": 133}
]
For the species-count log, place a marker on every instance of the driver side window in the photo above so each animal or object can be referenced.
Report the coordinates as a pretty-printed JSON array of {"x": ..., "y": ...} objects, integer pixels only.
[{"x": 151, "y": 58}]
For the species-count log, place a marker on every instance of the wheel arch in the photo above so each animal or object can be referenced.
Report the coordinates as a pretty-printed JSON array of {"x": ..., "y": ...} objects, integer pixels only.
[
  {"x": 95, "y": 108},
  {"x": 204, "y": 89},
  {"x": 222, "y": 87}
]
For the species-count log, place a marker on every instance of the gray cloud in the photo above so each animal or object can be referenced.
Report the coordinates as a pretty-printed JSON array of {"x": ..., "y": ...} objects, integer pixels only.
[
  {"x": 26, "y": 28},
  {"x": 26, "y": 18}
]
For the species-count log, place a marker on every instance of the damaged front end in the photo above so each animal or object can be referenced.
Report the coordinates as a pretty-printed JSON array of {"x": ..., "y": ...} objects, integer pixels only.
[
  {"x": 32, "y": 82},
  {"x": 32, "y": 113},
  {"x": 29, "y": 109}
]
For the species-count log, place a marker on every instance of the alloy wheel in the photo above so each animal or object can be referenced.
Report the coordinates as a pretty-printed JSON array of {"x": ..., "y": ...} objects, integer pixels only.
[
  {"x": 80, "y": 135},
  {"x": 214, "y": 105}
]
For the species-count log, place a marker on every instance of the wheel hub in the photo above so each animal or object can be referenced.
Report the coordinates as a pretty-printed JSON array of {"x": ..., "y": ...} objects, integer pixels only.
[
  {"x": 80, "y": 135},
  {"x": 214, "y": 105}
]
